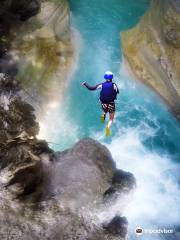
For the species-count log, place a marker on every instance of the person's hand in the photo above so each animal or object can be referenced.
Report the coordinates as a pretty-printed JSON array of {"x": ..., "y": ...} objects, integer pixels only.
[{"x": 83, "y": 84}]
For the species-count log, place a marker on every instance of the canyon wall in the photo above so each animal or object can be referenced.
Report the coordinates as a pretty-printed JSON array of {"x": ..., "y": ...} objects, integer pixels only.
[
  {"x": 152, "y": 49},
  {"x": 36, "y": 46}
]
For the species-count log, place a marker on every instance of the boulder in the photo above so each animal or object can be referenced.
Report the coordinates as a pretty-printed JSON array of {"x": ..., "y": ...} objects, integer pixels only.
[
  {"x": 122, "y": 182},
  {"x": 117, "y": 226},
  {"x": 90, "y": 166}
]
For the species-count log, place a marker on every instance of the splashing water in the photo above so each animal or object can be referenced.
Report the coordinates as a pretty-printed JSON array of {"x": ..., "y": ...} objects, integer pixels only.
[{"x": 145, "y": 136}]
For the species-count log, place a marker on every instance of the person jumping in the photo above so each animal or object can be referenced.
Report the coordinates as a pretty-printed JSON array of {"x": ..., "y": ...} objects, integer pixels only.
[{"x": 108, "y": 95}]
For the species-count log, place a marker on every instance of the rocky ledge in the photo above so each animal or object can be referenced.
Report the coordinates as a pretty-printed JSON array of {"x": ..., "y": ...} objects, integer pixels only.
[
  {"x": 54, "y": 195},
  {"x": 152, "y": 50}
]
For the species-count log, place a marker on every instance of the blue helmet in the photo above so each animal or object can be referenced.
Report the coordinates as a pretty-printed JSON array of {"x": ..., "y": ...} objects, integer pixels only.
[{"x": 108, "y": 75}]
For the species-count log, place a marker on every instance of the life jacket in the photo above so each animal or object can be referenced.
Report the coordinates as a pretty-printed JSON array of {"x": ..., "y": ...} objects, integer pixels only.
[{"x": 108, "y": 93}]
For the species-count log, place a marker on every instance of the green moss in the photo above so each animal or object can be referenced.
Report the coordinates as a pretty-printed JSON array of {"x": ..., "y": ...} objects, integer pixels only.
[{"x": 44, "y": 63}]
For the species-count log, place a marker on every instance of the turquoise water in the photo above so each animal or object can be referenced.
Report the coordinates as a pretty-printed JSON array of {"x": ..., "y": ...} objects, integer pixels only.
[
  {"x": 145, "y": 136},
  {"x": 100, "y": 23}
]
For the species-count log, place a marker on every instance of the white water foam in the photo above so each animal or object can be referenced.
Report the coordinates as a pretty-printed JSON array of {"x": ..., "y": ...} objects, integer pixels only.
[{"x": 155, "y": 202}]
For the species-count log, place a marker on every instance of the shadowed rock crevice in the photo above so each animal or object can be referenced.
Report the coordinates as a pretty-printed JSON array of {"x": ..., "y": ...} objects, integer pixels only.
[{"x": 117, "y": 226}]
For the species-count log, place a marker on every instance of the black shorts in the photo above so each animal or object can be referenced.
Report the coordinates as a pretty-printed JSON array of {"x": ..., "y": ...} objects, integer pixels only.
[{"x": 108, "y": 107}]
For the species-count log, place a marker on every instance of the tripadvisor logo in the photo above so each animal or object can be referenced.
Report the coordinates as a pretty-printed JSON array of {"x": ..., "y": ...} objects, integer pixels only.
[{"x": 139, "y": 231}]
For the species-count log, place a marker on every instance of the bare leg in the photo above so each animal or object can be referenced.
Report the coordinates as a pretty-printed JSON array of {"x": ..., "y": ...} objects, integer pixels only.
[
  {"x": 111, "y": 118},
  {"x": 103, "y": 117},
  {"x": 105, "y": 110}
]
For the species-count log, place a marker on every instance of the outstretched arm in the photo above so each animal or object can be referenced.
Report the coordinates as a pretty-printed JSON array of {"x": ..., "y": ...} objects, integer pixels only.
[{"x": 91, "y": 88}]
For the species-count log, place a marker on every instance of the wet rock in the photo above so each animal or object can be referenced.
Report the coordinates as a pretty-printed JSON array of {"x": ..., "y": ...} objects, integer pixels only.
[
  {"x": 176, "y": 4},
  {"x": 40, "y": 147},
  {"x": 7, "y": 64},
  {"x": 95, "y": 153},
  {"x": 25, "y": 8},
  {"x": 4, "y": 46},
  {"x": 172, "y": 37},
  {"x": 123, "y": 181},
  {"x": 23, "y": 173},
  {"x": 109, "y": 192},
  {"x": 8, "y": 84},
  {"x": 4, "y": 30},
  {"x": 20, "y": 162},
  {"x": 18, "y": 116},
  {"x": 117, "y": 226},
  {"x": 90, "y": 166},
  {"x": 19, "y": 10}
]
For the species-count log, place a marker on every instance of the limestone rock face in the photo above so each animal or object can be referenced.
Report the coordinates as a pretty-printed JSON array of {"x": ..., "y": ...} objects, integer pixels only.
[
  {"x": 20, "y": 167},
  {"x": 54, "y": 18},
  {"x": 152, "y": 50},
  {"x": 36, "y": 46}
]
